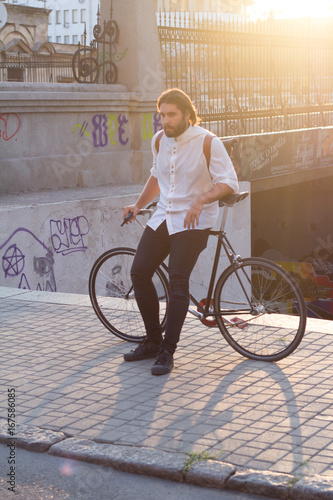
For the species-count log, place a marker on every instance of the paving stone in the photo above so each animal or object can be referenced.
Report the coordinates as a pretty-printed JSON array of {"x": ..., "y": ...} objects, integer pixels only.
[
  {"x": 128, "y": 459},
  {"x": 213, "y": 400},
  {"x": 30, "y": 437}
]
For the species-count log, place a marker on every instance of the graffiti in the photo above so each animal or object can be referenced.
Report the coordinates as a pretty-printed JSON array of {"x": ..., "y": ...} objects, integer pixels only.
[
  {"x": 13, "y": 261},
  {"x": 151, "y": 123},
  {"x": 83, "y": 131},
  {"x": 111, "y": 129},
  {"x": 11, "y": 123},
  {"x": 67, "y": 235},
  {"x": 324, "y": 249},
  {"x": 312, "y": 272},
  {"x": 106, "y": 129},
  {"x": 19, "y": 270},
  {"x": 117, "y": 57}
]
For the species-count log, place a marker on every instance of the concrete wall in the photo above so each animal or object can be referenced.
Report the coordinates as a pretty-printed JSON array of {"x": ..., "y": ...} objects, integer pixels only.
[
  {"x": 49, "y": 241},
  {"x": 55, "y": 136}
]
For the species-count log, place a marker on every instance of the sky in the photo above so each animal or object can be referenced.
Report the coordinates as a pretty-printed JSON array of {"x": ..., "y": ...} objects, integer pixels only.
[{"x": 291, "y": 8}]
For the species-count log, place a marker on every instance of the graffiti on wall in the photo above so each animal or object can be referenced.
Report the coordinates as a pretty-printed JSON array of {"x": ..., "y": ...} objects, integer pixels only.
[
  {"x": 67, "y": 235},
  {"x": 21, "y": 270},
  {"x": 112, "y": 129},
  {"x": 314, "y": 275},
  {"x": 10, "y": 124},
  {"x": 105, "y": 129},
  {"x": 262, "y": 156},
  {"x": 151, "y": 123},
  {"x": 27, "y": 263}
]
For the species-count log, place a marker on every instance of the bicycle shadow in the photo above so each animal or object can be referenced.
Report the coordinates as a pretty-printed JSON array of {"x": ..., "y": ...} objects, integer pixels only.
[
  {"x": 137, "y": 409},
  {"x": 245, "y": 370},
  {"x": 147, "y": 413}
]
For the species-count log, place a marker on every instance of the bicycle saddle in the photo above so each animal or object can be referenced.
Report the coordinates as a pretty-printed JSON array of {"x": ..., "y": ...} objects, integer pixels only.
[{"x": 229, "y": 201}]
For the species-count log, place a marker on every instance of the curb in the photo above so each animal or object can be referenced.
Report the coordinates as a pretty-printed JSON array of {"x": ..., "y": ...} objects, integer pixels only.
[{"x": 168, "y": 465}]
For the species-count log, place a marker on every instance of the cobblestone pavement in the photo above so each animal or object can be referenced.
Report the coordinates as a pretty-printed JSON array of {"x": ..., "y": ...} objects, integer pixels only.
[{"x": 69, "y": 376}]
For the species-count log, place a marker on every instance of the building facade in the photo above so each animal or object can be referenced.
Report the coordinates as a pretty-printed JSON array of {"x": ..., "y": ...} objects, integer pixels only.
[
  {"x": 67, "y": 20},
  {"x": 26, "y": 55}
]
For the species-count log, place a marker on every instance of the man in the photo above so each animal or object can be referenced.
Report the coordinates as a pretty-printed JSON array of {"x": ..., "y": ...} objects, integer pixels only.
[{"x": 187, "y": 209}]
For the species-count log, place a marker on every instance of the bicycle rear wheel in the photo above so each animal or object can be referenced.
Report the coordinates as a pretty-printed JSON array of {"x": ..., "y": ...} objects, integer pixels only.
[
  {"x": 262, "y": 310},
  {"x": 112, "y": 295}
]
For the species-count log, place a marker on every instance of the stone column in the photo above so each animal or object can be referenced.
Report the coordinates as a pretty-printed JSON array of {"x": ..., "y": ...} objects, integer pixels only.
[
  {"x": 138, "y": 53},
  {"x": 138, "y": 59}
]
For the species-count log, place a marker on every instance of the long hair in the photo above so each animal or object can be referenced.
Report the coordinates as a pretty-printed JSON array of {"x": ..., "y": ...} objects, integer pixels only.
[{"x": 181, "y": 100}]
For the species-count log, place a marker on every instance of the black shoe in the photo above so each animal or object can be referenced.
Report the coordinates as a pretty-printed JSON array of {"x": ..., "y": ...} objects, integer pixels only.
[
  {"x": 145, "y": 350},
  {"x": 163, "y": 363}
]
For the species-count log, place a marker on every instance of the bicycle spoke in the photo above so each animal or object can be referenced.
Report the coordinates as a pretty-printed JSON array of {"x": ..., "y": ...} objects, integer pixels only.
[
  {"x": 112, "y": 295},
  {"x": 274, "y": 322}
]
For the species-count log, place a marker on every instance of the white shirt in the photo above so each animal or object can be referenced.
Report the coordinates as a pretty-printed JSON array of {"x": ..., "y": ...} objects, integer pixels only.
[{"x": 182, "y": 174}]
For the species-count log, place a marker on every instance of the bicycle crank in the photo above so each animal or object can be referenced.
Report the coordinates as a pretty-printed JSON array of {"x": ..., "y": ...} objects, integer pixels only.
[{"x": 206, "y": 321}]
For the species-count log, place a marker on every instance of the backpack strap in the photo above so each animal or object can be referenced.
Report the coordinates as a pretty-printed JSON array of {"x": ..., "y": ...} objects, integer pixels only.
[
  {"x": 158, "y": 140},
  {"x": 207, "y": 146}
]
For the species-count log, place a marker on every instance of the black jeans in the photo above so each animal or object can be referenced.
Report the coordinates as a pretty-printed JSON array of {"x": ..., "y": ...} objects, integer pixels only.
[{"x": 184, "y": 249}]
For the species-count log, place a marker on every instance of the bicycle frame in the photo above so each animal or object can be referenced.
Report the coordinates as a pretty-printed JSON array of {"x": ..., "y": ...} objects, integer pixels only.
[{"x": 203, "y": 312}]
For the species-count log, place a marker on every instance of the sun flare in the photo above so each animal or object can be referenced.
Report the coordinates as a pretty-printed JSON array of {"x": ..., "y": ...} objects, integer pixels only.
[{"x": 291, "y": 8}]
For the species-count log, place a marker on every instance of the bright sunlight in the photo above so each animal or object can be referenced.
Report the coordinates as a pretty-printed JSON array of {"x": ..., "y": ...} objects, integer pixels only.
[{"x": 291, "y": 8}]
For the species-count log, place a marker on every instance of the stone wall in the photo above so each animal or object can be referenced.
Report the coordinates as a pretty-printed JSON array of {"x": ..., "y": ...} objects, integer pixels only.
[
  {"x": 55, "y": 136},
  {"x": 49, "y": 241}
]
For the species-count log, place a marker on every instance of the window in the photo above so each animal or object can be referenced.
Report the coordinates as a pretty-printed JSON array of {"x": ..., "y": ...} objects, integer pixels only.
[
  {"x": 66, "y": 16},
  {"x": 50, "y": 18},
  {"x": 83, "y": 15},
  {"x": 49, "y": 38},
  {"x": 58, "y": 16},
  {"x": 75, "y": 16},
  {"x": 75, "y": 39},
  {"x": 58, "y": 39},
  {"x": 66, "y": 39}
]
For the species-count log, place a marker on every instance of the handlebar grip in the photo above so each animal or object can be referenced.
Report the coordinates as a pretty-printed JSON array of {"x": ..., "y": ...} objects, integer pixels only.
[{"x": 127, "y": 218}]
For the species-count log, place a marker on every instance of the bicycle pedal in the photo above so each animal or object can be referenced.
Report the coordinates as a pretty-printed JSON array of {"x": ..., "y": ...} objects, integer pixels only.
[{"x": 239, "y": 323}]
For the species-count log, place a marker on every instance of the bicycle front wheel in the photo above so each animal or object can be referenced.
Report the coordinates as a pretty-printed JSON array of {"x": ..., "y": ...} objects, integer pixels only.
[
  {"x": 112, "y": 295},
  {"x": 262, "y": 313}
]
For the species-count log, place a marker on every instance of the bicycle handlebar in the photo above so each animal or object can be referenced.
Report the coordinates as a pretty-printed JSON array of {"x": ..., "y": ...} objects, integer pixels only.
[
  {"x": 127, "y": 218},
  {"x": 143, "y": 211},
  {"x": 228, "y": 201}
]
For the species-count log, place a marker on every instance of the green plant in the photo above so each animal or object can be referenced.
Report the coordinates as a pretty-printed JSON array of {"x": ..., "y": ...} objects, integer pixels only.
[{"x": 194, "y": 457}]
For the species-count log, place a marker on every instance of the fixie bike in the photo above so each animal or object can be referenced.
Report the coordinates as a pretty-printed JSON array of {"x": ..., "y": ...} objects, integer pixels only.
[{"x": 256, "y": 304}]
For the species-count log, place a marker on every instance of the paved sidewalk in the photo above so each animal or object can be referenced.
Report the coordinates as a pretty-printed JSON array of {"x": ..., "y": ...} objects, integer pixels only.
[{"x": 69, "y": 377}]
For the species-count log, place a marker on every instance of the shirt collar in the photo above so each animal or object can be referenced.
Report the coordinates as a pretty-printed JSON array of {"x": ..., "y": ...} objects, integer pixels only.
[{"x": 184, "y": 135}]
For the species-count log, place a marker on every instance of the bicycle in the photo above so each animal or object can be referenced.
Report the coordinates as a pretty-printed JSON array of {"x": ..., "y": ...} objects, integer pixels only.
[{"x": 256, "y": 304}]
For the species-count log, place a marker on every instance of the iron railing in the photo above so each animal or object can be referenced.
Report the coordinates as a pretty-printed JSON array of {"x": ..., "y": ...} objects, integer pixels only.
[
  {"x": 251, "y": 77},
  {"x": 94, "y": 63},
  {"x": 18, "y": 67}
]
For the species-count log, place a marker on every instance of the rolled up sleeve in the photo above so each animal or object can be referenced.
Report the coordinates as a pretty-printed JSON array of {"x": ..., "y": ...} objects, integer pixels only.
[
  {"x": 153, "y": 170},
  {"x": 221, "y": 168}
]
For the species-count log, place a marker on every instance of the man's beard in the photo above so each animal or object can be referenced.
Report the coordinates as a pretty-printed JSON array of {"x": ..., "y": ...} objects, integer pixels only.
[{"x": 176, "y": 131}]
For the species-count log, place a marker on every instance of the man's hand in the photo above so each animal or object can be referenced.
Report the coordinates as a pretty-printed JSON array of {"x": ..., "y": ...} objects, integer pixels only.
[
  {"x": 131, "y": 208},
  {"x": 215, "y": 193},
  {"x": 192, "y": 216}
]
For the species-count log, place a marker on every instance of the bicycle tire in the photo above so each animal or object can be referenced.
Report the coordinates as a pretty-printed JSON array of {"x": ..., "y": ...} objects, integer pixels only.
[
  {"x": 273, "y": 326},
  {"x": 112, "y": 296}
]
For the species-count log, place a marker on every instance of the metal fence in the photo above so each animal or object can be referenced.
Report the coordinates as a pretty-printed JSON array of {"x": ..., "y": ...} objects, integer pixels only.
[
  {"x": 251, "y": 77},
  {"x": 36, "y": 68}
]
